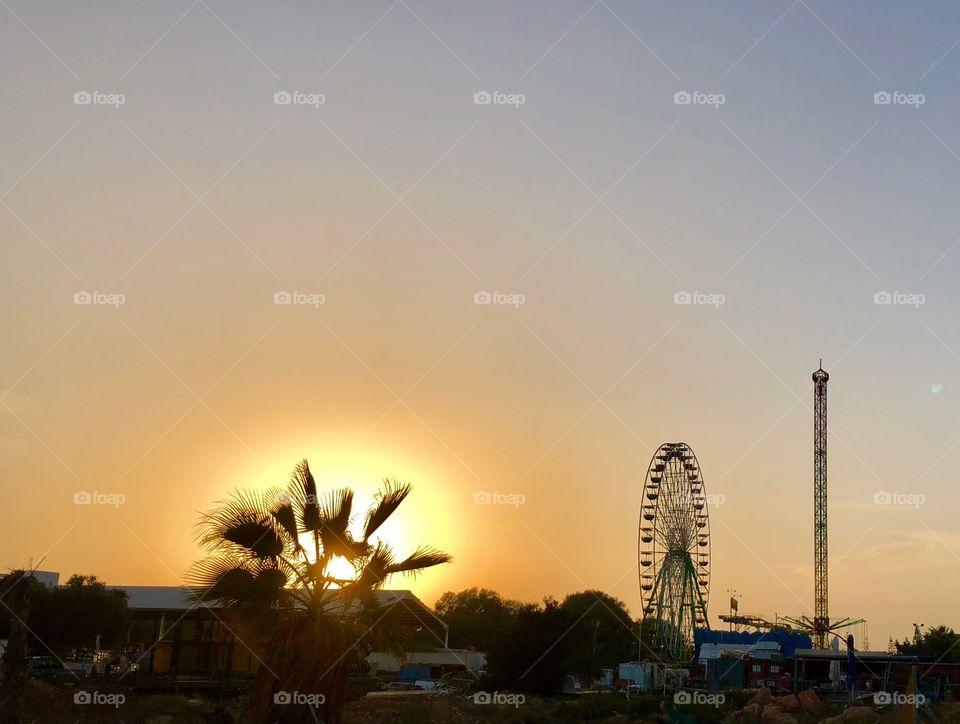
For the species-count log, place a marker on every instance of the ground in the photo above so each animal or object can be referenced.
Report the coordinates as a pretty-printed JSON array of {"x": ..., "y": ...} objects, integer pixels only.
[{"x": 50, "y": 705}]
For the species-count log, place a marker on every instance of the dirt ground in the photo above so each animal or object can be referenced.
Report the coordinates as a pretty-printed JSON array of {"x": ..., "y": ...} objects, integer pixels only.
[{"x": 47, "y": 704}]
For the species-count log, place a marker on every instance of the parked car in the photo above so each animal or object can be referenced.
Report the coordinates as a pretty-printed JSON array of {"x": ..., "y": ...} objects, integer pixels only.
[{"x": 47, "y": 668}]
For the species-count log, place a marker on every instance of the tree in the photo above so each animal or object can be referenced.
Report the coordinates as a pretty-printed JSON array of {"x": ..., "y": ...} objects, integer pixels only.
[
  {"x": 17, "y": 588},
  {"x": 603, "y": 632},
  {"x": 941, "y": 642},
  {"x": 477, "y": 617},
  {"x": 77, "y": 614},
  {"x": 269, "y": 561},
  {"x": 534, "y": 652}
]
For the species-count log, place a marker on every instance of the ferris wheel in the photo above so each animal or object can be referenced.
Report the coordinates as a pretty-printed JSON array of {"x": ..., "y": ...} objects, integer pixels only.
[{"x": 674, "y": 549}]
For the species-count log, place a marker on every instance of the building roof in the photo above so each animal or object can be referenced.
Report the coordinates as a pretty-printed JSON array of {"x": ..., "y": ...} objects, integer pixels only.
[
  {"x": 406, "y": 606},
  {"x": 168, "y": 598},
  {"x": 50, "y": 579}
]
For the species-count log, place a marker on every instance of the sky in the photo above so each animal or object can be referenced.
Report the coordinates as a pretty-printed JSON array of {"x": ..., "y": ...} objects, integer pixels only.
[{"x": 500, "y": 250}]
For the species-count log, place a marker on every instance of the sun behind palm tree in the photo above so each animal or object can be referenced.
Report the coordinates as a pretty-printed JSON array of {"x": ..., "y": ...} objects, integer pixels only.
[{"x": 270, "y": 559}]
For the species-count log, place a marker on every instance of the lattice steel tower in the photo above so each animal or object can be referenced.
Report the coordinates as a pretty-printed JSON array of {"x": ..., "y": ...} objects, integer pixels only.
[{"x": 821, "y": 618}]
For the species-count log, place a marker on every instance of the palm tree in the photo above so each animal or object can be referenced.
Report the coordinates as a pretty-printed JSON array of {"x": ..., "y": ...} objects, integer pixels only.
[{"x": 269, "y": 561}]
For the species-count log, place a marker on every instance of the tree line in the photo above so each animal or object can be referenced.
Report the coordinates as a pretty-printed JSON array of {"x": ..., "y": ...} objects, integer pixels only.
[{"x": 532, "y": 647}]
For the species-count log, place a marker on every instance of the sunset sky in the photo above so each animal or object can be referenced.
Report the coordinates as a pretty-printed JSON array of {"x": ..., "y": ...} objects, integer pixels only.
[{"x": 587, "y": 195}]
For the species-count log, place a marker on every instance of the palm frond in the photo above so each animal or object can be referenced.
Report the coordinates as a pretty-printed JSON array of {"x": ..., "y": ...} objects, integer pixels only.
[
  {"x": 243, "y": 520},
  {"x": 336, "y": 508},
  {"x": 303, "y": 490},
  {"x": 285, "y": 517},
  {"x": 375, "y": 568},
  {"x": 385, "y": 504},
  {"x": 220, "y": 578},
  {"x": 416, "y": 562},
  {"x": 257, "y": 535}
]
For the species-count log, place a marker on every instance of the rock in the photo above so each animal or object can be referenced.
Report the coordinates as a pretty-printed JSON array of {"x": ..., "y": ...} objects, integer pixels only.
[
  {"x": 763, "y": 696},
  {"x": 858, "y": 714},
  {"x": 788, "y": 702},
  {"x": 770, "y": 712},
  {"x": 809, "y": 701},
  {"x": 753, "y": 710}
]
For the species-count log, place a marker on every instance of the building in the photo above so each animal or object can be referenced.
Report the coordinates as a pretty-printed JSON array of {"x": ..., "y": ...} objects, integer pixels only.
[
  {"x": 172, "y": 635},
  {"x": 429, "y": 664}
]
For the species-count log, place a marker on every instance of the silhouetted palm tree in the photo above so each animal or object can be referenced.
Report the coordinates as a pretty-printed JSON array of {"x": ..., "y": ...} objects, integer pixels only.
[{"x": 270, "y": 555}]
